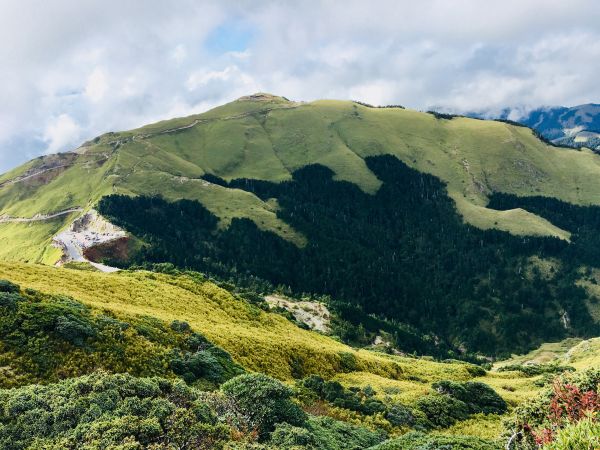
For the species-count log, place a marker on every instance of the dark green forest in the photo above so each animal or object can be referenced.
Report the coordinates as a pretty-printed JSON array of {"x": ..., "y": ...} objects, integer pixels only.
[{"x": 401, "y": 258}]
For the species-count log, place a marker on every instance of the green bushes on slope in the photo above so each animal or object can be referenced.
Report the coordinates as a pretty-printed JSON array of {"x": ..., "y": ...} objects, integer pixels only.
[
  {"x": 102, "y": 411},
  {"x": 264, "y": 401},
  {"x": 420, "y": 441},
  {"x": 355, "y": 399},
  {"x": 45, "y": 338},
  {"x": 479, "y": 397},
  {"x": 453, "y": 402},
  {"x": 564, "y": 416},
  {"x": 324, "y": 433}
]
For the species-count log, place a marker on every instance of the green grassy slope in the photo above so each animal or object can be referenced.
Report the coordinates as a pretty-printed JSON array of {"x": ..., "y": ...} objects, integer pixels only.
[
  {"x": 268, "y": 137},
  {"x": 257, "y": 340}
]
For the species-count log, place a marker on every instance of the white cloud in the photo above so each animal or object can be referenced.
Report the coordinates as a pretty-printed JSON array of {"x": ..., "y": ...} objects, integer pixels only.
[
  {"x": 71, "y": 71},
  {"x": 96, "y": 85},
  {"x": 62, "y": 133},
  {"x": 231, "y": 78},
  {"x": 179, "y": 54}
]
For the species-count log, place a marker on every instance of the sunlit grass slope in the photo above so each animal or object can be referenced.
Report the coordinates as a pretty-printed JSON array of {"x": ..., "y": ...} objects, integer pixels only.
[
  {"x": 267, "y": 137},
  {"x": 258, "y": 340},
  {"x": 577, "y": 353},
  {"x": 268, "y": 342}
]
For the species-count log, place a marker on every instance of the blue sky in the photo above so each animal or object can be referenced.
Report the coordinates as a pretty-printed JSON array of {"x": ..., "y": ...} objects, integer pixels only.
[
  {"x": 230, "y": 36},
  {"x": 73, "y": 70}
]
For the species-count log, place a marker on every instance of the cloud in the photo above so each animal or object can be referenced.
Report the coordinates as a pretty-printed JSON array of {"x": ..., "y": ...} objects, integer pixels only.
[
  {"x": 96, "y": 85},
  {"x": 61, "y": 132},
  {"x": 72, "y": 71}
]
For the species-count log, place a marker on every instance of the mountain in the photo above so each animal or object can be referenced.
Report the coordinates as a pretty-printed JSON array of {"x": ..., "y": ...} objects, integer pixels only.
[
  {"x": 452, "y": 236},
  {"x": 265, "y": 275},
  {"x": 577, "y": 126}
]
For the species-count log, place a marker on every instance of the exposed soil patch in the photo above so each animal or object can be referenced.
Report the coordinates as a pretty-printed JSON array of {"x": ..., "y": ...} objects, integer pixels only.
[
  {"x": 46, "y": 169},
  {"x": 314, "y": 314},
  {"x": 117, "y": 249}
]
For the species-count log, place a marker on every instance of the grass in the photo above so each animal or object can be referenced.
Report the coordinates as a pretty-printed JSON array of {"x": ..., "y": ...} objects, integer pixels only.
[
  {"x": 481, "y": 425},
  {"x": 267, "y": 342},
  {"x": 34, "y": 240},
  {"x": 270, "y": 137},
  {"x": 258, "y": 340},
  {"x": 574, "y": 352}
]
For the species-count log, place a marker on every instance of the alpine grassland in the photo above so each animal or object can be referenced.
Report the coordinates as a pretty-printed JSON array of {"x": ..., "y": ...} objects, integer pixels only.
[
  {"x": 256, "y": 339},
  {"x": 267, "y": 138}
]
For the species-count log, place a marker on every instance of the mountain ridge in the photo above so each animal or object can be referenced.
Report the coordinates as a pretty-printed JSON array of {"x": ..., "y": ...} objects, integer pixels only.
[
  {"x": 232, "y": 137},
  {"x": 575, "y": 126}
]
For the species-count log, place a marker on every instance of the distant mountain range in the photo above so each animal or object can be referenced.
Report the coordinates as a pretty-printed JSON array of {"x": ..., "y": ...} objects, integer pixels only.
[{"x": 578, "y": 126}]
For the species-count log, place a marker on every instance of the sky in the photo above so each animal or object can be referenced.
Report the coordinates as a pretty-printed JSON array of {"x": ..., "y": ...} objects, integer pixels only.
[{"x": 71, "y": 70}]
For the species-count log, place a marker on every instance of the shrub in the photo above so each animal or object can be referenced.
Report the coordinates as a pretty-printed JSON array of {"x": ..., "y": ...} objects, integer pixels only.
[
  {"x": 7, "y": 286},
  {"x": 180, "y": 327},
  {"x": 288, "y": 436},
  {"x": 479, "y": 397},
  {"x": 584, "y": 435},
  {"x": 108, "y": 411},
  {"x": 347, "y": 362},
  {"x": 73, "y": 330},
  {"x": 263, "y": 401},
  {"x": 197, "y": 365},
  {"x": 354, "y": 399},
  {"x": 9, "y": 300},
  {"x": 325, "y": 433},
  {"x": 45, "y": 338},
  {"x": 400, "y": 415},
  {"x": 420, "y": 441},
  {"x": 557, "y": 411},
  {"x": 475, "y": 371},
  {"x": 443, "y": 411},
  {"x": 532, "y": 370}
]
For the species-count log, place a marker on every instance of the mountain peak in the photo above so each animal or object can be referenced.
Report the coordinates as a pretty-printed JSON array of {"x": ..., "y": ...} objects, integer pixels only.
[{"x": 262, "y": 97}]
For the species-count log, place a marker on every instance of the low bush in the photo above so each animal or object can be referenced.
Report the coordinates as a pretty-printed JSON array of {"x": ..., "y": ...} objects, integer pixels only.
[
  {"x": 532, "y": 370},
  {"x": 443, "y": 411},
  {"x": 45, "y": 338},
  {"x": 400, "y": 415},
  {"x": 103, "y": 411},
  {"x": 421, "y": 441},
  {"x": 325, "y": 433},
  {"x": 7, "y": 286},
  {"x": 584, "y": 435},
  {"x": 554, "y": 417},
  {"x": 263, "y": 401},
  {"x": 479, "y": 397},
  {"x": 354, "y": 399}
]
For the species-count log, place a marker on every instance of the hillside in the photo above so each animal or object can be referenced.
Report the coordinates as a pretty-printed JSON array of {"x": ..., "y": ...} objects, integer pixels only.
[
  {"x": 59, "y": 326},
  {"x": 267, "y": 137},
  {"x": 418, "y": 234},
  {"x": 157, "y": 316},
  {"x": 397, "y": 215}
]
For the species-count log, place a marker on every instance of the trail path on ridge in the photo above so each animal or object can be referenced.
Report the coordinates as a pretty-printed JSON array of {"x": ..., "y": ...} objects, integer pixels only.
[{"x": 39, "y": 217}]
